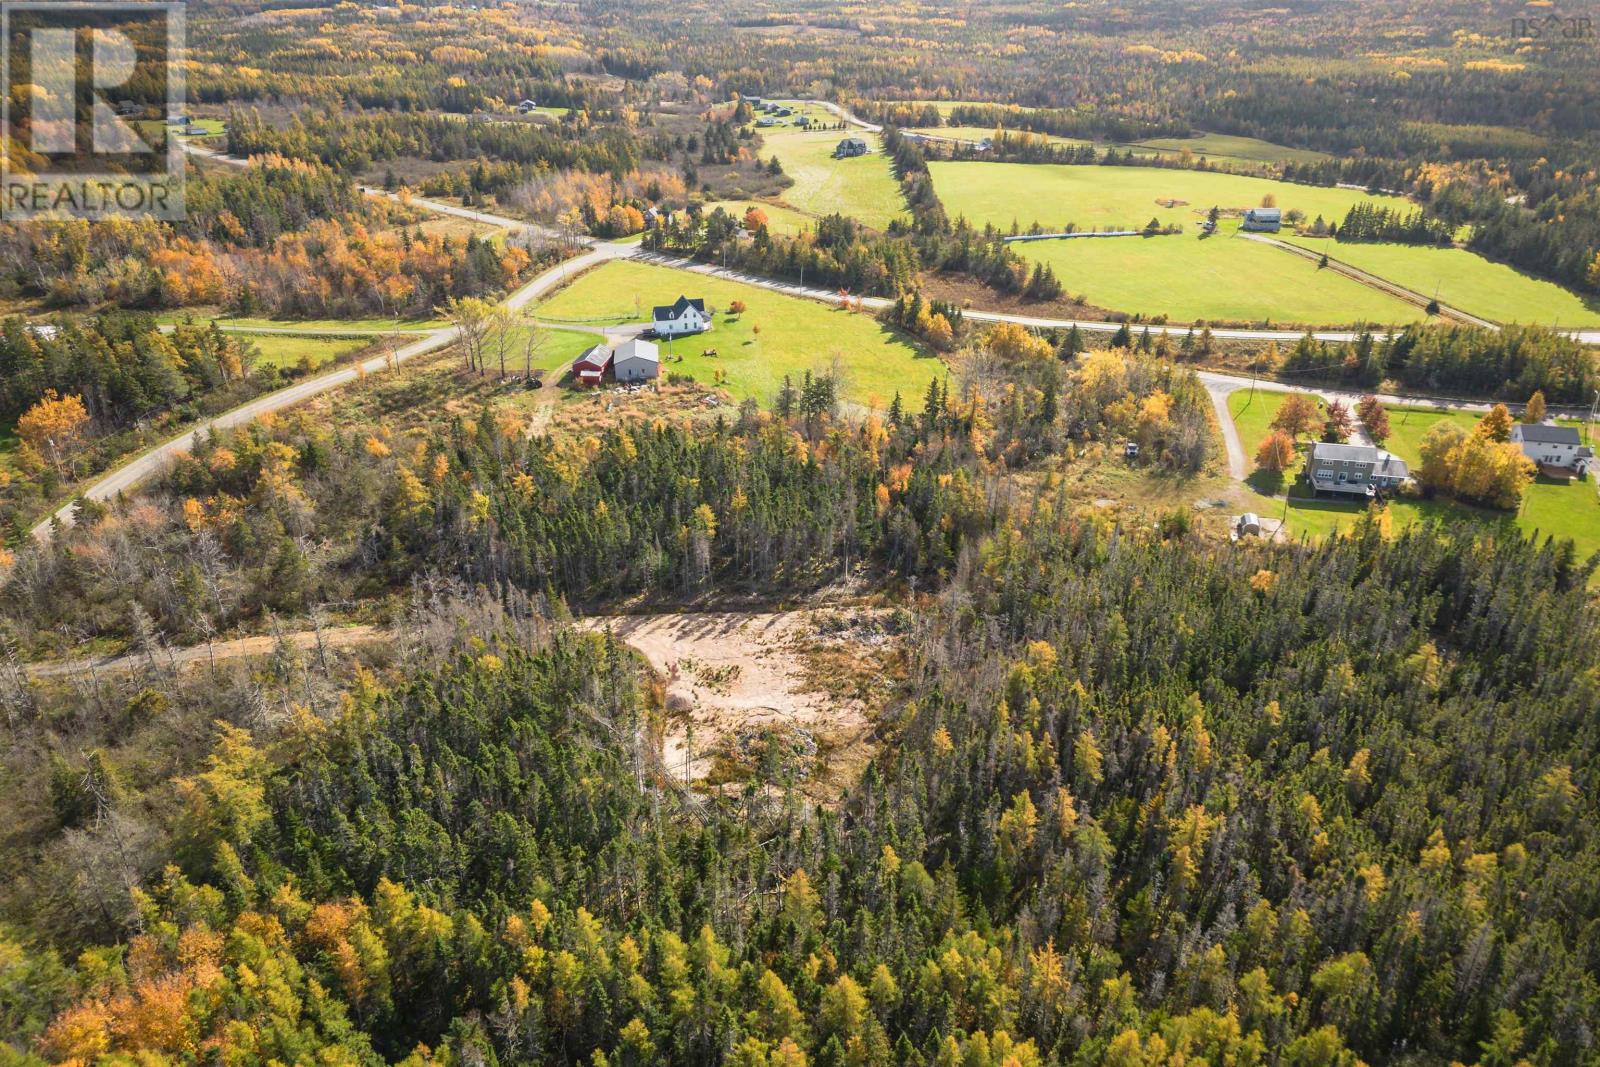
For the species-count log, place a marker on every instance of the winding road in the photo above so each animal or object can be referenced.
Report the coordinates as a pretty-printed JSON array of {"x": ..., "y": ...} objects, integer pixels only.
[{"x": 1218, "y": 384}]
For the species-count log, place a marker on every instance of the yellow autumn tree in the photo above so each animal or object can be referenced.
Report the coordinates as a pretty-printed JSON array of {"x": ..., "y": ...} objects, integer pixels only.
[{"x": 54, "y": 426}]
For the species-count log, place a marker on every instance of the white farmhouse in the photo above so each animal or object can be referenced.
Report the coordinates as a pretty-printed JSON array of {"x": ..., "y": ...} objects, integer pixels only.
[
  {"x": 636, "y": 361},
  {"x": 684, "y": 317},
  {"x": 1558, "y": 448}
]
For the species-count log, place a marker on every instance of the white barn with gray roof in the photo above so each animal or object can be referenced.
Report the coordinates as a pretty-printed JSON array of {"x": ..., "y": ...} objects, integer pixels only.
[{"x": 636, "y": 361}]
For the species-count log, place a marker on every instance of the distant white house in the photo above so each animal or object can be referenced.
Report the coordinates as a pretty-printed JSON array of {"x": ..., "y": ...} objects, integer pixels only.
[
  {"x": 1557, "y": 447},
  {"x": 684, "y": 317},
  {"x": 1262, "y": 220},
  {"x": 1354, "y": 470},
  {"x": 636, "y": 361},
  {"x": 590, "y": 368},
  {"x": 527, "y": 107}
]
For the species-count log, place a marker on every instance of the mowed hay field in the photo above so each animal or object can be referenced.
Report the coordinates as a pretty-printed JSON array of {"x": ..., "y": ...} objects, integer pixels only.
[
  {"x": 1464, "y": 280},
  {"x": 1226, "y": 146},
  {"x": 290, "y": 351},
  {"x": 1100, "y": 197},
  {"x": 1220, "y": 278},
  {"x": 794, "y": 335},
  {"x": 862, "y": 188}
]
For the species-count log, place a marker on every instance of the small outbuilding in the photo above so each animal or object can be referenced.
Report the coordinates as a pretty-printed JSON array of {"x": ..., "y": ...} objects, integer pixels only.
[{"x": 636, "y": 361}]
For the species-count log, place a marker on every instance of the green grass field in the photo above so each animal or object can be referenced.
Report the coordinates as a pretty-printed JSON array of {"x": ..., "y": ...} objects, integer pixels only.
[
  {"x": 203, "y": 316},
  {"x": 290, "y": 350},
  {"x": 978, "y": 133},
  {"x": 1099, "y": 197},
  {"x": 213, "y": 127},
  {"x": 1216, "y": 147},
  {"x": 1465, "y": 280},
  {"x": 795, "y": 335},
  {"x": 557, "y": 348},
  {"x": 944, "y": 107},
  {"x": 780, "y": 219},
  {"x": 1218, "y": 278},
  {"x": 1186, "y": 278},
  {"x": 862, "y": 188},
  {"x": 1226, "y": 147}
]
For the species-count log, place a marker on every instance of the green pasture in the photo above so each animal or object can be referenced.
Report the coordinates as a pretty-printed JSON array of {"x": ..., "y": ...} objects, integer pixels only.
[
  {"x": 1218, "y": 278},
  {"x": 862, "y": 188},
  {"x": 1093, "y": 196},
  {"x": 1464, "y": 280}
]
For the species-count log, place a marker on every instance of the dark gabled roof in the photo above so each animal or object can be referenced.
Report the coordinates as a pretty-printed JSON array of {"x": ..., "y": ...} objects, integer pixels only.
[
  {"x": 675, "y": 311},
  {"x": 1545, "y": 434}
]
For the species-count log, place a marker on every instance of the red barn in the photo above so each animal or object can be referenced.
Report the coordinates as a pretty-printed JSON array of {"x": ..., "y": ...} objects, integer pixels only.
[{"x": 591, "y": 367}]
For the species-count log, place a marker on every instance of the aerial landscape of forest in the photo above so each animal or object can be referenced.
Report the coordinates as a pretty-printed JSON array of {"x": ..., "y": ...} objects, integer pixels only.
[{"x": 1002, "y": 534}]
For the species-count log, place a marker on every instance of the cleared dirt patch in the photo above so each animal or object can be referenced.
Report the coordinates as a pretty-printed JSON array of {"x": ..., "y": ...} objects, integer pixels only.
[{"x": 752, "y": 689}]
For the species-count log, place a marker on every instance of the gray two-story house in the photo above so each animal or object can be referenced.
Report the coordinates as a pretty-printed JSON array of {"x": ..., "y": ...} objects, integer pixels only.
[{"x": 1354, "y": 470}]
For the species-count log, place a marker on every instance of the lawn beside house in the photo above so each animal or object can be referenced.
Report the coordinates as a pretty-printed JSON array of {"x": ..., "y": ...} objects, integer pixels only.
[
  {"x": 1549, "y": 507},
  {"x": 777, "y": 335}
]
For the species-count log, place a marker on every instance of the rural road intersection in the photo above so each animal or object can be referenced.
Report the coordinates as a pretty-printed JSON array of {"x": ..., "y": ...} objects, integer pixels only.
[{"x": 1217, "y": 384}]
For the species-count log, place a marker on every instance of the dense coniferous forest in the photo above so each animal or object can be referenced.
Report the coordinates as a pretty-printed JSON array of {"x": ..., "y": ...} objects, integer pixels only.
[
  {"x": 1132, "y": 796},
  {"x": 1145, "y": 799}
]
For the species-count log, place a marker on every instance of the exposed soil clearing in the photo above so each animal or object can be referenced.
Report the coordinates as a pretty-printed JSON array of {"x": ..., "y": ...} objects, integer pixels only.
[{"x": 732, "y": 677}]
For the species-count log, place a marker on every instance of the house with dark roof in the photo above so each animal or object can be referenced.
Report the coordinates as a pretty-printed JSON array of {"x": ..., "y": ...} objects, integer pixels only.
[
  {"x": 1556, "y": 449},
  {"x": 1353, "y": 470},
  {"x": 686, "y": 316},
  {"x": 1262, "y": 220},
  {"x": 850, "y": 146}
]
